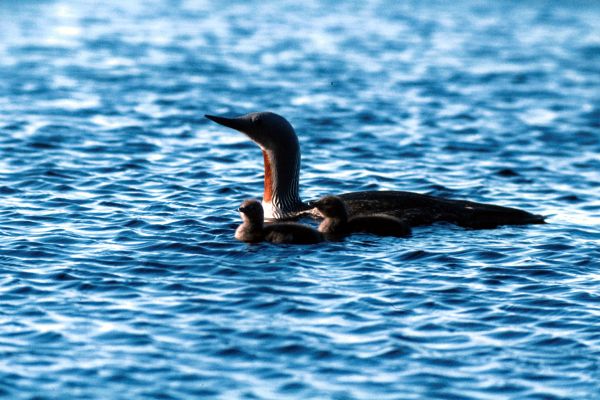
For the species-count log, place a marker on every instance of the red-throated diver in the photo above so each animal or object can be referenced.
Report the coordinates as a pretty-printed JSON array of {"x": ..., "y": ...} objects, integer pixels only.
[
  {"x": 253, "y": 230},
  {"x": 281, "y": 153},
  {"x": 337, "y": 224}
]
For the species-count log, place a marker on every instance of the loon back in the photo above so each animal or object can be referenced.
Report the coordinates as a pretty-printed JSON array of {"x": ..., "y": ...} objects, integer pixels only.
[{"x": 421, "y": 209}]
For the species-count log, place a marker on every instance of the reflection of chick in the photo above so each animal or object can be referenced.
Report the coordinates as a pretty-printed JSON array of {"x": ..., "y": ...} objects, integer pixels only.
[
  {"x": 337, "y": 223},
  {"x": 253, "y": 230}
]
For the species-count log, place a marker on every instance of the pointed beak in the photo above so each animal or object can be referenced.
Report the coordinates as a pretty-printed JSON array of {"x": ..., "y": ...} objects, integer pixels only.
[{"x": 238, "y": 124}]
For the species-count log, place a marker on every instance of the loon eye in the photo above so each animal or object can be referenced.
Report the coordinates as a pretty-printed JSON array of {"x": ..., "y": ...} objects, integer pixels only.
[{"x": 257, "y": 121}]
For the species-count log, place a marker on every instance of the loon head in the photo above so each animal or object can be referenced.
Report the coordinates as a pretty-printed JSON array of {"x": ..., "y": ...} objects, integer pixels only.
[
  {"x": 281, "y": 153},
  {"x": 331, "y": 207},
  {"x": 251, "y": 212},
  {"x": 270, "y": 131}
]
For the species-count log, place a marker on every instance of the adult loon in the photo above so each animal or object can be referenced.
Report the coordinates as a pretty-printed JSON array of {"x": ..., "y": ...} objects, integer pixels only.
[{"x": 281, "y": 153}]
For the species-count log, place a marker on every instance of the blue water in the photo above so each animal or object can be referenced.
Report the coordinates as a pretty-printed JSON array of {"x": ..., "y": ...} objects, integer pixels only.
[{"x": 119, "y": 274}]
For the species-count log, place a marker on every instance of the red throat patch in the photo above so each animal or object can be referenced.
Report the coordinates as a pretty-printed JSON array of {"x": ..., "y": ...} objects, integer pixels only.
[{"x": 268, "y": 194}]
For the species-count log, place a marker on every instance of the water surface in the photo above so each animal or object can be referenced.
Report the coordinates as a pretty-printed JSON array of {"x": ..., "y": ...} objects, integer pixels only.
[{"x": 119, "y": 274}]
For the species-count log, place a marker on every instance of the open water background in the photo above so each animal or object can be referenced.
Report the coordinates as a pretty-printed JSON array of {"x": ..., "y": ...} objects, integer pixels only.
[{"x": 119, "y": 274}]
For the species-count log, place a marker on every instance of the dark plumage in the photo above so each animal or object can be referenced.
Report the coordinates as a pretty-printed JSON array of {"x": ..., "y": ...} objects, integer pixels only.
[
  {"x": 281, "y": 153},
  {"x": 336, "y": 222},
  {"x": 253, "y": 230}
]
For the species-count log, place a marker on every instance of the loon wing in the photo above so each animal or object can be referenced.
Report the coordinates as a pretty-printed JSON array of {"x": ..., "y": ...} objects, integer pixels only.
[{"x": 421, "y": 209}]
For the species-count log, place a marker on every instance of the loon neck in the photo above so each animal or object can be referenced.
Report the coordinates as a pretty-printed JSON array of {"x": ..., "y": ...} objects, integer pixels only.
[
  {"x": 268, "y": 188},
  {"x": 334, "y": 225},
  {"x": 281, "y": 185},
  {"x": 337, "y": 223}
]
